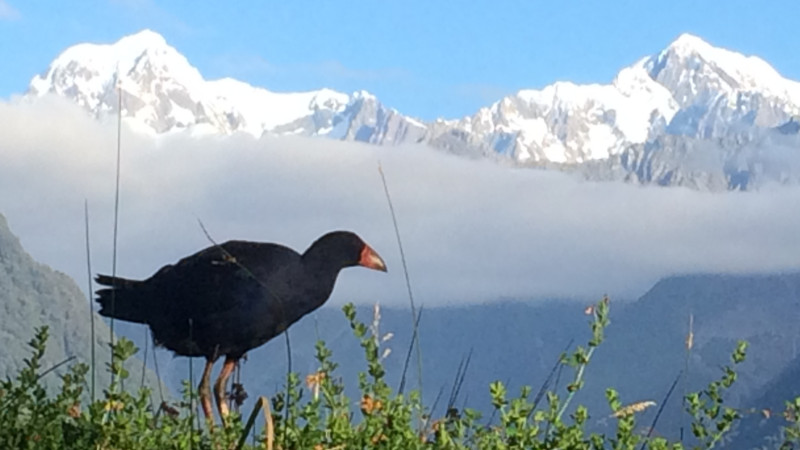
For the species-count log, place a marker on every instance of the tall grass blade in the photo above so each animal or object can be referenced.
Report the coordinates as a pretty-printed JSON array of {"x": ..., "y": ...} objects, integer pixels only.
[
  {"x": 660, "y": 409},
  {"x": 288, "y": 384},
  {"x": 89, "y": 293},
  {"x": 436, "y": 400},
  {"x": 269, "y": 426},
  {"x": 116, "y": 216},
  {"x": 144, "y": 358},
  {"x": 458, "y": 382},
  {"x": 554, "y": 371},
  {"x": 414, "y": 316},
  {"x": 402, "y": 386},
  {"x": 191, "y": 386},
  {"x": 689, "y": 346},
  {"x": 155, "y": 365},
  {"x": 56, "y": 366}
]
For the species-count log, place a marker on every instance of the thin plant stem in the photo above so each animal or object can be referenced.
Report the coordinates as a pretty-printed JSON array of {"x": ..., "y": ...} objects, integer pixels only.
[
  {"x": 458, "y": 382},
  {"x": 144, "y": 359},
  {"x": 269, "y": 427},
  {"x": 661, "y": 409},
  {"x": 414, "y": 317},
  {"x": 553, "y": 373},
  {"x": 288, "y": 376},
  {"x": 407, "y": 361},
  {"x": 41, "y": 375},
  {"x": 191, "y": 386},
  {"x": 158, "y": 372},
  {"x": 116, "y": 216},
  {"x": 599, "y": 322},
  {"x": 89, "y": 293},
  {"x": 578, "y": 379},
  {"x": 689, "y": 346}
]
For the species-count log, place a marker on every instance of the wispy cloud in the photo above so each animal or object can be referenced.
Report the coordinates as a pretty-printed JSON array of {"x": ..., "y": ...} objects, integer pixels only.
[
  {"x": 473, "y": 231},
  {"x": 8, "y": 12}
]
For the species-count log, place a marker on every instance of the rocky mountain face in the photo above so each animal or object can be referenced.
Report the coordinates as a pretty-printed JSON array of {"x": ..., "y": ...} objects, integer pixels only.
[
  {"x": 734, "y": 161},
  {"x": 690, "y": 102}
]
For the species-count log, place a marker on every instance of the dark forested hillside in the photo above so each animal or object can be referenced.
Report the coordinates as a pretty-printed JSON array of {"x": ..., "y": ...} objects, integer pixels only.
[{"x": 33, "y": 295}]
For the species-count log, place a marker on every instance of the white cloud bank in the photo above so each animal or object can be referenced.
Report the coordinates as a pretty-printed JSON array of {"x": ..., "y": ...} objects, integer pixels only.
[{"x": 473, "y": 231}]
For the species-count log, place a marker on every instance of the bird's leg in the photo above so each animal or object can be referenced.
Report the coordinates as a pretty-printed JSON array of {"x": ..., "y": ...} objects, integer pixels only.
[
  {"x": 219, "y": 386},
  {"x": 204, "y": 389}
]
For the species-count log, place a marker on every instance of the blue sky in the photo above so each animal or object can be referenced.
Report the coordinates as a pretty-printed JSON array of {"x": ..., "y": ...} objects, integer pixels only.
[{"x": 426, "y": 58}]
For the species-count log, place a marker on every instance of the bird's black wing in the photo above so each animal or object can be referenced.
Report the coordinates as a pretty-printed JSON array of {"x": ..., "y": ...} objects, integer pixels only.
[{"x": 236, "y": 275}]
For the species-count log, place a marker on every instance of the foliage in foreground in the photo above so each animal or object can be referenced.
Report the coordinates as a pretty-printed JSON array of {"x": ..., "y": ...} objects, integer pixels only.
[{"x": 320, "y": 416}]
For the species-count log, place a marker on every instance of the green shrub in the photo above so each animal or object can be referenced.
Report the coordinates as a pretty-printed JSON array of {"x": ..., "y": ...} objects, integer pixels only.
[{"x": 315, "y": 413}]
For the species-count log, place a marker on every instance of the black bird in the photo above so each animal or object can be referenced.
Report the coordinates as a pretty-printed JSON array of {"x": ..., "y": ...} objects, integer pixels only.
[{"x": 233, "y": 297}]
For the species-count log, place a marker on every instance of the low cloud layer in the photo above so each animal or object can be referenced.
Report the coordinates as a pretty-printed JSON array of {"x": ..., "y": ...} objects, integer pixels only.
[{"x": 473, "y": 231}]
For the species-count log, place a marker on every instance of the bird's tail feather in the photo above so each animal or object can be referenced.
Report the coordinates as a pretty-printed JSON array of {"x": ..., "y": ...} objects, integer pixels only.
[{"x": 121, "y": 300}]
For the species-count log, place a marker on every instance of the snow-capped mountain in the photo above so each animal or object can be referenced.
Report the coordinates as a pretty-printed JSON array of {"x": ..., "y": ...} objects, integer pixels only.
[
  {"x": 690, "y": 88},
  {"x": 568, "y": 123},
  {"x": 690, "y": 102},
  {"x": 162, "y": 92},
  {"x": 718, "y": 89},
  {"x": 160, "y": 89}
]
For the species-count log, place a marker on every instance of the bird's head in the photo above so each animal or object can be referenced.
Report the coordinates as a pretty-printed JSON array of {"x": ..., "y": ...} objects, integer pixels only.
[{"x": 345, "y": 249}]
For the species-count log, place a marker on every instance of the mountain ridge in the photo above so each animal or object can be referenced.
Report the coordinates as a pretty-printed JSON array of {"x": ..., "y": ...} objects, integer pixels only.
[{"x": 690, "y": 89}]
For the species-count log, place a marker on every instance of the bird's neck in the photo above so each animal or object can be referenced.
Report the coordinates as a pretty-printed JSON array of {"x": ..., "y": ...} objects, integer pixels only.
[
  {"x": 319, "y": 260},
  {"x": 321, "y": 276}
]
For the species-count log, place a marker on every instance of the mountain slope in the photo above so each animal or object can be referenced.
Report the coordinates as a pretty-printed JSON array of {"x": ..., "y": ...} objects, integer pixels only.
[{"x": 33, "y": 295}]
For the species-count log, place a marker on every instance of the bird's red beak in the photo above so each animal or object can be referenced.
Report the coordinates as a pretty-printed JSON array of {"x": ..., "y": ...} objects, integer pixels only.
[{"x": 370, "y": 259}]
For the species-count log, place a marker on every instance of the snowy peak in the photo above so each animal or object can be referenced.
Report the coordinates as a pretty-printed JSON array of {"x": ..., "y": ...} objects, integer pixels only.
[
  {"x": 161, "y": 92},
  {"x": 695, "y": 70},
  {"x": 89, "y": 65},
  {"x": 687, "y": 45},
  {"x": 142, "y": 40},
  {"x": 690, "y": 88},
  {"x": 747, "y": 72},
  {"x": 665, "y": 106},
  {"x": 258, "y": 110},
  {"x": 569, "y": 123},
  {"x": 723, "y": 92},
  {"x": 159, "y": 88}
]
